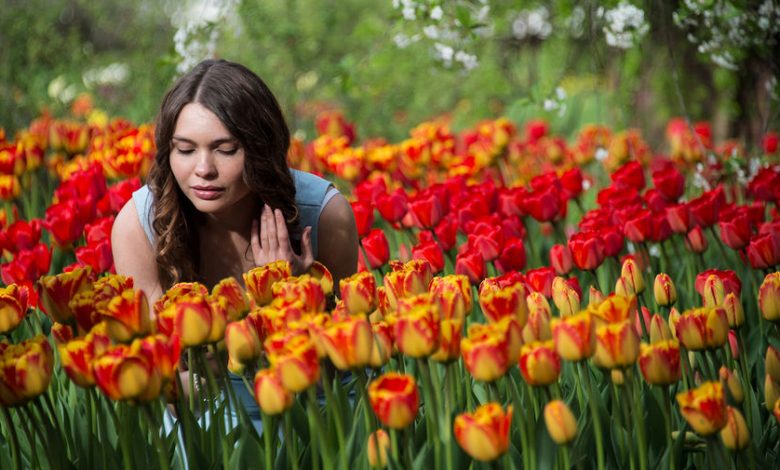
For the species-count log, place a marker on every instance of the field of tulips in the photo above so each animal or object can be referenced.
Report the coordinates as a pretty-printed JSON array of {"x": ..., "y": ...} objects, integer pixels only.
[{"x": 523, "y": 301}]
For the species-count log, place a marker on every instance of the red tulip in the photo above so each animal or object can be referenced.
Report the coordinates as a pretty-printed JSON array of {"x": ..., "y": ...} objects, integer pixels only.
[
  {"x": 364, "y": 216},
  {"x": 472, "y": 265},
  {"x": 377, "y": 249},
  {"x": 430, "y": 252},
  {"x": 630, "y": 175},
  {"x": 735, "y": 232},
  {"x": 587, "y": 249},
  {"x": 512, "y": 256},
  {"x": 392, "y": 207},
  {"x": 427, "y": 210},
  {"x": 543, "y": 205},
  {"x": 669, "y": 181}
]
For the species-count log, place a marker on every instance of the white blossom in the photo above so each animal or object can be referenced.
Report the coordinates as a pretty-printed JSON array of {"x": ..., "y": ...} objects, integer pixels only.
[
  {"x": 625, "y": 26},
  {"x": 437, "y": 13}
]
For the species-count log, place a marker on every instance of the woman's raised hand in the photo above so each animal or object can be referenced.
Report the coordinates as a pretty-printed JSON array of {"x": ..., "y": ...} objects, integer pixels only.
[{"x": 271, "y": 242}]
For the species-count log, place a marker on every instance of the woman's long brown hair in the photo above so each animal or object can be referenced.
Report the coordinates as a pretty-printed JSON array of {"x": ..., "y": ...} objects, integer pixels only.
[{"x": 248, "y": 109}]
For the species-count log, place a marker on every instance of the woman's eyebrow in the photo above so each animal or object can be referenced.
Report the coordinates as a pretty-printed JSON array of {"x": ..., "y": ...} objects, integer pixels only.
[{"x": 213, "y": 144}]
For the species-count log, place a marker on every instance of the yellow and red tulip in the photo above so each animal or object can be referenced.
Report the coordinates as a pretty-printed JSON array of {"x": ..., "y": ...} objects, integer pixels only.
[
  {"x": 77, "y": 355},
  {"x": 297, "y": 364},
  {"x": 25, "y": 370},
  {"x": 704, "y": 408},
  {"x": 732, "y": 383},
  {"x": 498, "y": 301},
  {"x": 703, "y": 328},
  {"x": 382, "y": 348},
  {"x": 321, "y": 273},
  {"x": 614, "y": 309},
  {"x": 270, "y": 393},
  {"x": 574, "y": 336},
  {"x": 769, "y": 297},
  {"x": 617, "y": 345},
  {"x": 450, "y": 335},
  {"x": 539, "y": 363},
  {"x": 659, "y": 330},
  {"x": 484, "y": 434},
  {"x": 56, "y": 291},
  {"x": 660, "y": 362},
  {"x": 735, "y": 434},
  {"x": 14, "y": 301},
  {"x": 537, "y": 328},
  {"x": 453, "y": 295},
  {"x": 565, "y": 297},
  {"x": 394, "y": 399},
  {"x": 242, "y": 341},
  {"x": 233, "y": 298},
  {"x": 358, "y": 293},
  {"x": 378, "y": 441},
  {"x": 259, "y": 280},
  {"x": 416, "y": 328},
  {"x": 295, "y": 290},
  {"x": 632, "y": 274},
  {"x": 127, "y": 316},
  {"x": 664, "y": 290},
  {"x": 484, "y": 353},
  {"x": 348, "y": 342},
  {"x": 123, "y": 373},
  {"x": 560, "y": 422}
]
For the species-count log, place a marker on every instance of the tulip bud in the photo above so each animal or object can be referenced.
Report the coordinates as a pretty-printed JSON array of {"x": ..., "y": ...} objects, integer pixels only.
[
  {"x": 769, "y": 297},
  {"x": 498, "y": 302},
  {"x": 772, "y": 363},
  {"x": 560, "y": 259},
  {"x": 453, "y": 295},
  {"x": 674, "y": 318},
  {"x": 735, "y": 434},
  {"x": 714, "y": 291},
  {"x": 733, "y": 344},
  {"x": 538, "y": 302},
  {"x": 633, "y": 276},
  {"x": 565, "y": 297},
  {"x": 382, "y": 348},
  {"x": 703, "y": 328},
  {"x": 394, "y": 399},
  {"x": 560, "y": 422},
  {"x": 359, "y": 292},
  {"x": 348, "y": 343},
  {"x": 537, "y": 328},
  {"x": 623, "y": 287},
  {"x": 664, "y": 290},
  {"x": 617, "y": 376},
  {"x": 417, "y": 331},
  {"x": 13, "y": 307},
  {"x": 659, "y": 331},
  {"x": 732, "y": 383},
  {"x": 696, "y": 240},
  {"x": 484, "y": 353},
  {"x": 296, "y": 363},
  {"x": 484, "y": 434},
  {"x": 595, "y": 297},
  {"x": 259, "y": 280},
  {"x": 776, "y": 410},
  {"x": 235, "y": 301},
  {"x": 771, "y": 392},
  {"x": 704, "y": 408},
  {"x": 734, "y": 313},
  {"x": 270, "y": 394},
  {"x": 378, "y": 445}
]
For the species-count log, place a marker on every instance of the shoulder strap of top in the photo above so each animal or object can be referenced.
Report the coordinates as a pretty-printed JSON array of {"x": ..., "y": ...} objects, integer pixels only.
[
  {"x": 142, "y": 198},
  {"x": 311, "y": 195}
]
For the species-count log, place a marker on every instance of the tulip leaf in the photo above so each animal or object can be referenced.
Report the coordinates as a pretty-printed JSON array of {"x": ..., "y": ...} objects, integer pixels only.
[
  {"x": 300, "y": 421},
  {"x": 422, "y": 461},
  {"x": 246, "y": 451},
  {"x": 654, "y": 422},
  {"x": 546, "y": 449}
]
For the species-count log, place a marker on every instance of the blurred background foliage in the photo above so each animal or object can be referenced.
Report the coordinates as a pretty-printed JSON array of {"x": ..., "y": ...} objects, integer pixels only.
[{"x": 387, "y": 65}]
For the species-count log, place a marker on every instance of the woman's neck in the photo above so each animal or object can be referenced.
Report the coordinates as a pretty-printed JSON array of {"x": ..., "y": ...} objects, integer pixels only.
[{"x": 234, "y": 219}]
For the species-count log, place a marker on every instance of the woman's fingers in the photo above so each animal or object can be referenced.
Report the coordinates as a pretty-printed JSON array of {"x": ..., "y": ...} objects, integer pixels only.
[
  {"x": 254, "y": 242},
  {"x": 282, "y": 237},
  {"x": 307, "y": 253},
  {"x": 264, "y": 228},
  {"x": 270, "y": 229}
]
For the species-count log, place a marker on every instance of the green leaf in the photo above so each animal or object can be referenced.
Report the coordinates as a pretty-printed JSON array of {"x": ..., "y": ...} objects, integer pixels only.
[{"x": 546, "y": 448}]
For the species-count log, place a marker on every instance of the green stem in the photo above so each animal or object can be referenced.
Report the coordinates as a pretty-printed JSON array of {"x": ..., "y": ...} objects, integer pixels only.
[
  {"x": 327, "y": 385},
  {"x": 592, "y": 397},
  {"x": 123, "y": 442},
  {"x": 522, "y": 426},
  {"x": 318, "y": 429},
  {"x": 288, "y": 437},
  {"x": 267, "y": 441},
  {"x": 431, "y": 410},
  {"x": 8, "y": 423},
  {"x": 668, "y": 424},
  {"x": 154, "y": 428},
  {"x": 639, "y": 418}
]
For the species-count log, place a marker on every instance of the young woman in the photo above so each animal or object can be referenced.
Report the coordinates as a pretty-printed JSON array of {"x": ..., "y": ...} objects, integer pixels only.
[{"x": 221, "y": 199}]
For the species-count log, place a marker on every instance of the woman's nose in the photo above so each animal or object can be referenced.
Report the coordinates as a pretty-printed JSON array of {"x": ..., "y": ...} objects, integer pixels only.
[{"x": 205, "y": 167}]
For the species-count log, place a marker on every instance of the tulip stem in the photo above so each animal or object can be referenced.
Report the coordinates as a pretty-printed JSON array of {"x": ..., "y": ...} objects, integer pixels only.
[
  {"x": 526, "y": 449},
  {"x": 123, "y": 443},
  {"x": 593, "y": 396},
  {"x": 619, "y": 418},
  {"x": 155, "y": 432},
  {"x": 317, "y": 426},
  {"x": 268, "y": 428},
  {"x": 367, "y": 412},
  {"x": 639, "y": 417},
  {"x": 8, "y": 423},
  {"x": 431, "y": 409},
  {"x": 288, "y": 437},
  {"x": 668, "y": 424}
]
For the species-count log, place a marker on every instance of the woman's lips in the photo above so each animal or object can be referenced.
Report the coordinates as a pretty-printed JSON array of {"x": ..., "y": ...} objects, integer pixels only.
[{"x": 207, "y": 193}]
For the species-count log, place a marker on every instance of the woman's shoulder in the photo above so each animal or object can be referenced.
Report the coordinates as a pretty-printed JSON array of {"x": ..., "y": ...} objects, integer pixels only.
[{"x": 310, "y": 189}]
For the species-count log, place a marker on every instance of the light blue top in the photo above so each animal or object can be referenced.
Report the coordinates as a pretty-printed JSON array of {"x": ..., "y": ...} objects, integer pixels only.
[{"x": 312, "y": 193}]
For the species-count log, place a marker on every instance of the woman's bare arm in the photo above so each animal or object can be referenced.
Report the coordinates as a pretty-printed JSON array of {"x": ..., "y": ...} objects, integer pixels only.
[
  {"x": 133, "y": 253},
  {"x": 337, "y": 239}
]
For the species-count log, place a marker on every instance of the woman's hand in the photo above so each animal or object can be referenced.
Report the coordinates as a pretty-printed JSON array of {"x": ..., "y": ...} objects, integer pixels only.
[{"x": 271, "y": 242}]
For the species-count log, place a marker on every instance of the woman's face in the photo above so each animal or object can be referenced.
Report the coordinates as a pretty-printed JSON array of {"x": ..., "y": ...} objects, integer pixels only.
[{"x": 207, "y": 161}]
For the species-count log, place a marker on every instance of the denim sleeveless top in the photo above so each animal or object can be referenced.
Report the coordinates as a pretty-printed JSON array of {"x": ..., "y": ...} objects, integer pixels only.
[{"x": 312, "y": 193}]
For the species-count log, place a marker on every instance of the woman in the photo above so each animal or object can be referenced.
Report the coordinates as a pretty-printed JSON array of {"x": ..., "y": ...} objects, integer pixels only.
[{"x": 220, "y": 198}]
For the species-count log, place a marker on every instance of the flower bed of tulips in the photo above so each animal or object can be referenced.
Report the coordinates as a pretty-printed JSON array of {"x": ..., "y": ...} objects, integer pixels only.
[{"x": 522, "y": 301}]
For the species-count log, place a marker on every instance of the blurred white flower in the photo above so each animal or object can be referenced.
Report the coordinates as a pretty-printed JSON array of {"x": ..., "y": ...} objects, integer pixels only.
[
  {"x": 437, "y": 13},
  {"x": 625, "y": 26}
]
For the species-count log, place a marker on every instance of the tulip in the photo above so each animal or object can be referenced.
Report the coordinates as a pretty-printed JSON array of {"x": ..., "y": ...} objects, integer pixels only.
[
  {"x": 417, "y": 330},
  {"x": 77, "y": 355},
  {"x": 470, "y": 264},
  {"x": 358, "y": 292},
  {"x": 587, "y": 250},
  {"x": 734, "y": 312},
  {"x": 537, "y": 303},
  {"x": 378, "y": 446},
  {"x": 56, "y": 291},
  {"x": 376, "y": 247},
  {"x": 13, "y": 307},
  {"x": 270, "y": 393},
  {"x": 573, "y": 336},
  {"x": 735, "y": 434},
  {"x": 664, "y": 290},
  {"x": 679, "y": 218},
  {"x": 394, "y": 399},
  {"x": 614, "y": 309},
  {"x": 322, "y": 274},
  {"x": 703, "y": 328},
  {"x": 236, "y": 302},
  {"x": 127, "y": 316},
  {"x": 348, "y": 342},
  {"x": 713, "y": 292},
  {"x": 163, "y": 351},
  {"x": 733, "y": 344},
  {"x": 297, "y": 364},
  {"x": 772, "y": 363},
  {"x": 25, "y": 370},
  {"x": 427, "y": 210},
  {"x": 769, "y": 297},
  {"x": 696, "y": 241},
  {"x": 674, "y": 318},
  {"x": 771, "y": 391},
  {"x": 452, "y": 293},
  {"x": 776, "y": 410},
  {"x": 123, "y": 374},
  {"x": 763, "y": 251},
  {"x": 617, "y": 345},
  {"x": 450, "y": 335},
  {"x": 259, "y": 280},
  {"x": 406, "y": 280},
  {"x": 392, "y": 207},
  {"x": 499, "y": 302},
  {"x": 540, "y": 280},
  {"x": 729, "y": 282},
  {"x": 659, "y": 330},
  {"x": 485, "y": 353},
  {"x": 565, "y": 297},
  {"x": 484, "y": 434},
  {"x": 595, "y": 297},
  {"x": 539, "y": 363},
  {"x": 561, "y": 259},
  {"x": 730, "y": 380},
  {"x": 660, "y": 362},
  {"x": 633, "y": 275},
  {"x": 704, "y": 408},
  {"x": 432, "y": 253},
  {"x": 624, "y": 288},
  {"x": 61, "y": 333},
  {"x": 364, "y": 216},
  {"x": 303, "y": 288},
  {"x": 560, "y": 422},
  {"x": 512, "y": 257},
  {"x": 191, "y": 319},
  {"x": 242, "y": 342},
  {"x": 382, "y": 348}
]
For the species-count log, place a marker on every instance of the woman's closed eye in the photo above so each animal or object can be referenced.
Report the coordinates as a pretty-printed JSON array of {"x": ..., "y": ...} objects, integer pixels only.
[
  {"x": 228, "y": 150},
  {"x": 184, "y": 151}
]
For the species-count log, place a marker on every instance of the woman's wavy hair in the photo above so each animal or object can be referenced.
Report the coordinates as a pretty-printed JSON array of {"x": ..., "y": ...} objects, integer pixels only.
[{"x": 250, "y": 112}]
